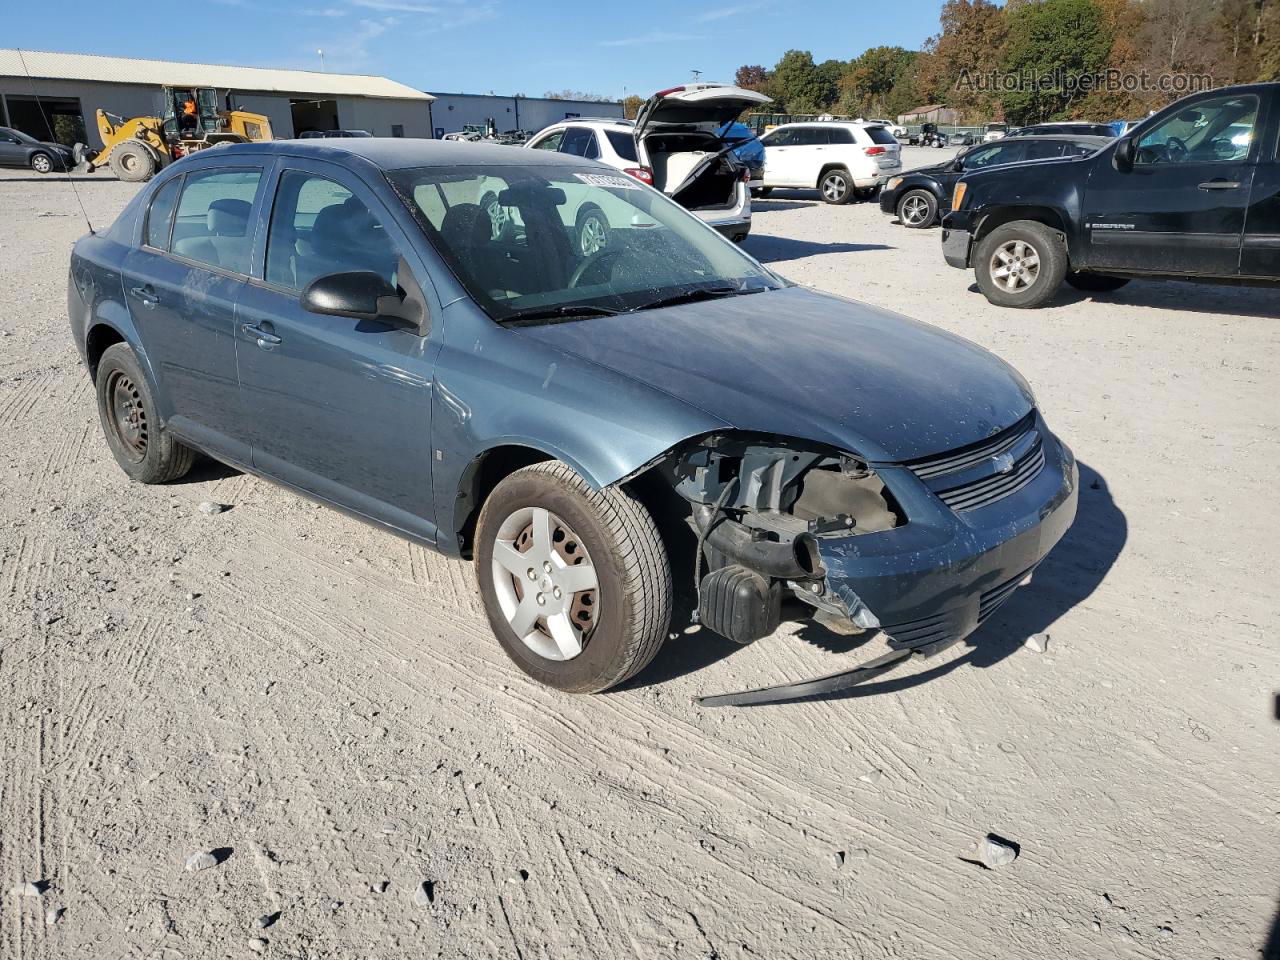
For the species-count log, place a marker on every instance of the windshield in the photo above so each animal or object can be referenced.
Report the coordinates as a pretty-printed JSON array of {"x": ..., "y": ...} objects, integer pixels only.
[{"x": 541, "y": 242}]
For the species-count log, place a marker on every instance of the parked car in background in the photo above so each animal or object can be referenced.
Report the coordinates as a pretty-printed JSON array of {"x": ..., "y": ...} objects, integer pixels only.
[
  {"x": 919, "y": 198},
  {"x": 995, "y": 131},
  {"x": 1190, "y": 193},
  {"x": 330, "y": 134},
  {"x": 750, "y": 151},
  {"x": 339, "y": 318},
  {"x": 840, "y": 159},
  {"x": 18, "y": 149},
  {"x": 675, "y": 145},
  {"x": 897, "y": 129},
  {"x": 1075, "y": 127},
  {"x": 960, "y": 138}
]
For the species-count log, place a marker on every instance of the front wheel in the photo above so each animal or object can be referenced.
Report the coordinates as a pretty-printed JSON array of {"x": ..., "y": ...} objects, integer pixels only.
[
  {"x": 142, "y": 446},
  {"x": 1095, "y": 282},
  {"x": 575, "y": 581},
  {"x": 592, "y": 230},
  {"x": 1020, "y": 264},
  {"x": 133, "y": 162},
  {"x": 918, "y": 209},
  {"x": 836, "y": 187},
  {"x": 42, "y": 163}
]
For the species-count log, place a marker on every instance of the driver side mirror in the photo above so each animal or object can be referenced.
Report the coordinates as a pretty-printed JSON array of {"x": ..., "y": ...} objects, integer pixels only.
[
  {"x": 1122, "y": 156},
  {"x": 362, "y": 295}
]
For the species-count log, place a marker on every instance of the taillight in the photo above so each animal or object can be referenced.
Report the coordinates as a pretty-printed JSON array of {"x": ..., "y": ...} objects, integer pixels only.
[
  {"x": 643, "y": 174},
  {"x": 874, "y": 151}
]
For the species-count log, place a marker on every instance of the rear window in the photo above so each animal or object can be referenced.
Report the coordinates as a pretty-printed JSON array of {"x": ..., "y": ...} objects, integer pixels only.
[
  {"x": 880, "y": 135},
  {"x": 624, "y": 144}
]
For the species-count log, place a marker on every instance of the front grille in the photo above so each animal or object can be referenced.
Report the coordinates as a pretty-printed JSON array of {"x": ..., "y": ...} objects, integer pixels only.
[{"x": 1021, "y": 440}]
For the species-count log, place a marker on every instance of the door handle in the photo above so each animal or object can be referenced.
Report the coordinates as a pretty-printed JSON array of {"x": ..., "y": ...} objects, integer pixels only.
[
  {"x": 146, "y": 295},
  {"x": 1220, "y": 185},
  {"x": 254, "y": 332}
]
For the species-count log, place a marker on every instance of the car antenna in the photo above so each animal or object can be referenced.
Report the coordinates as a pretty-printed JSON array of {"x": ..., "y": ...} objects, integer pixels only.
[{"x": 53, "y": 139}]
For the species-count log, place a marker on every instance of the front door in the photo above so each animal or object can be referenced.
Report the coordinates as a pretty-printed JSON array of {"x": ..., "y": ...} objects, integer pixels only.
[
  {"x": 337, "y": 407},
  {"x": 1180, "y": 207},
  {"x": 182, "y": 283},
  {"x": 12, "y": 151}
]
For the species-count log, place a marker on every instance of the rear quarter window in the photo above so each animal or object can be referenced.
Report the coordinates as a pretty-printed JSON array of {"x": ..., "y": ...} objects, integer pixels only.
[
  {"x": 624, "y": 144},
  {"x": 880, "y": 135}
]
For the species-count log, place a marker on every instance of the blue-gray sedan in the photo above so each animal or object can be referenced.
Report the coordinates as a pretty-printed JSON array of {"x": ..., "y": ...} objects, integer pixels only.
[{"x": 537, "y": 362}]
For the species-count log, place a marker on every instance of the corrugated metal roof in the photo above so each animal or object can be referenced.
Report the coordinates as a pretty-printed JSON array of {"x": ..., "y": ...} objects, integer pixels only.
[{"x": 83, "y": 66}]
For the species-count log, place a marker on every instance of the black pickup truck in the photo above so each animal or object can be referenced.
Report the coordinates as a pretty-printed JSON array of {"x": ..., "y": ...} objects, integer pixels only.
[{"x": 1193, "y": 192}]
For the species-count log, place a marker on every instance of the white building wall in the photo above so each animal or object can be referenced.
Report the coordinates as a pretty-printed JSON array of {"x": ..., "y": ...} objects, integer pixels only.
[
  {"x": 378, "y": 115},
  {"x": 452, "y": 111}
]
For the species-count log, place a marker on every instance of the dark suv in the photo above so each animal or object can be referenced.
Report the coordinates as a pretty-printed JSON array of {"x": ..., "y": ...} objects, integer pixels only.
[{"x": 1193, "y": 192}]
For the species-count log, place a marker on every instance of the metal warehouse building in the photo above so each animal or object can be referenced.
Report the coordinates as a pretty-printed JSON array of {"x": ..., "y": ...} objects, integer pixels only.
[
  {"x": 72, "y": 87},
  {"x": 450, "y": 112}
]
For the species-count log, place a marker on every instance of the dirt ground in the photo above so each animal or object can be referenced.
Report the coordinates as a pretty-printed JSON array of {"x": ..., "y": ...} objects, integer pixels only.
[{"x": 324, "y": 706}]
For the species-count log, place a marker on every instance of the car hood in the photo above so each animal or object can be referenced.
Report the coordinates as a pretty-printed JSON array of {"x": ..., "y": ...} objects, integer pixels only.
[
  {"x": 798, "y": 363},
  {"x": 932, "y": 170}
]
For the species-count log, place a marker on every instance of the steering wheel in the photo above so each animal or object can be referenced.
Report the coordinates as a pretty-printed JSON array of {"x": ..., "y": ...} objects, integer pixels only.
[
  {"x": 1176, "y": 150},
  {"x": 595, "y": 260}
]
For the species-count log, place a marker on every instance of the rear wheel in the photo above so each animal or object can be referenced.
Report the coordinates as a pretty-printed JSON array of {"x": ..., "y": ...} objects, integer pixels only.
[
  {"x": 592, "y": 230},
  {"x": 133, "y": 162},
  {"x": 836, "y": 186},
  {"x": 42, "y": 163},
  {"x": 918, "y": 209},
  {"x": 145, "y": 450},
  {"x": 575, "y": 581},
  {"x": 1020, "y": 264},
  {"x": 1095, "y": 282}
]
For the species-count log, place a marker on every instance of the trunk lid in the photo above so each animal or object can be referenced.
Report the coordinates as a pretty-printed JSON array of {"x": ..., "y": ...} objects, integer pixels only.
[{"x": 705, "y": 105}]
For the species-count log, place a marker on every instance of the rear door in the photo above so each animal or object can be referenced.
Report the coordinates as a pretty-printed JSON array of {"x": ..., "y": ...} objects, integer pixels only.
[
  {"x": 182, "y": 281},
  {"x": 1260, "y": 256},
  {"x": 1180, "y": 208},
  {"x": 340, "y": 408}
]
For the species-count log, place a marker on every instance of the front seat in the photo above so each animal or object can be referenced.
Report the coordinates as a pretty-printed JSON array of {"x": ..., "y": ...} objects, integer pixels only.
[{"x": 227, "y": 242}]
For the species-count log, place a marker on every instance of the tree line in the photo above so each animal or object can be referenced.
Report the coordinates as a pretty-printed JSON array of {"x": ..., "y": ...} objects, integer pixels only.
[{"x": 1034, "y": 50}]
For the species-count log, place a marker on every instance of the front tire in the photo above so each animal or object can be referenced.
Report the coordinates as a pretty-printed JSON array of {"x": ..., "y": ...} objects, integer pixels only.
[
  {"x": 1095, "y": 282},
  {"x": 918, "y": 209},
  {"x": 1020, "y": 264},
  {"x": 145, "y": 450},
  {"x": 41, "y": 163},
  {"x": 591, "y": 230},
  {"x": 575, "y": 581},
  {"x": 133, "y": 162},
  {"x": 836, "y": 186}
]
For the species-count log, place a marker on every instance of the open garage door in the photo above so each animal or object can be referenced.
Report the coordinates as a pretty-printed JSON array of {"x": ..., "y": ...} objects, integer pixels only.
[
  {"x": 63, "y": 113},
  {"x": 309, "y": 115}
]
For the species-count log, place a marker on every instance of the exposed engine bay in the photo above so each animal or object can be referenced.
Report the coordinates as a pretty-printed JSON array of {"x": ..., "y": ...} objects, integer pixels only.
[{"x": 758, "y": 507}]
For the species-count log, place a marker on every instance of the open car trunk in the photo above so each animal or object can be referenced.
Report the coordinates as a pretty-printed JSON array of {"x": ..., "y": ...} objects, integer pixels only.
[{"x": 678, "y": 135}]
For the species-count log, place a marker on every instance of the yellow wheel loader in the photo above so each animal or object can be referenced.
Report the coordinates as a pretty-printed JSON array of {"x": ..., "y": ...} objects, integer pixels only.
[{"x": 189, "y": 120}]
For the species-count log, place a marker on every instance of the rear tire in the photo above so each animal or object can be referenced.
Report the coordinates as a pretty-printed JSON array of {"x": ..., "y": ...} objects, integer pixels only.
[
  {"x": 145, "y": 450},
  {"x": 918, "y": 209},
  {"x": 42, "y": 163},
  {"x": 836, "y": 186},
  {"x": 1020, "y": 264},
  {"x": 591, "y": 230},
  {"x": 618, "y": 623},
  {"x": 1095, "y": 282},
  {"x": 133, "y": 162}
]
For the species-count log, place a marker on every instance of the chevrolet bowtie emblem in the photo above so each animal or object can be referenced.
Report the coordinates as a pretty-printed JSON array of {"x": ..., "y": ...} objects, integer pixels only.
[{"x": 1003, "y": 463}]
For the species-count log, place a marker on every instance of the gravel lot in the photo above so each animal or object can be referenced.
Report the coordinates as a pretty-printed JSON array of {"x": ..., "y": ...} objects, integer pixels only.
[{"x": 323, "y": 706}]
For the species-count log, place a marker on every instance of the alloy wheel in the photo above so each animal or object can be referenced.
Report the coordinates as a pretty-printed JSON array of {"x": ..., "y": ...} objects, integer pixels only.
[
  {"x": 545, "y": 582},
  {"x": 128, "y": 415},
  {"x": 914, "y": 210},
  {"x": 1015, "y": 266},
  {"x": 41, "y": 164},
  {"x": 592, "y": 237},
  {"x": 834, "y": 186}
]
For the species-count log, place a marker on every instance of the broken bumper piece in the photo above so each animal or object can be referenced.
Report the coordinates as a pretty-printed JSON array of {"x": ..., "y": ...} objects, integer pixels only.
[{"x": 931, "y": 582}]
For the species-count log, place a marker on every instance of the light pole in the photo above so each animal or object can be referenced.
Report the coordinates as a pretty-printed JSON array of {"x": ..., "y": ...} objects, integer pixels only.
[{"x": 321, "y": 53}]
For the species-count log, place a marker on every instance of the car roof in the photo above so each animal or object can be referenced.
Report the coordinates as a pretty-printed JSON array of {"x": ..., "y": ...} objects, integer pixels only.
[
  {"x": 591, "y": 122},
  {"x": 394, "y": 153},
  {"x": 1086, "y": 138}
]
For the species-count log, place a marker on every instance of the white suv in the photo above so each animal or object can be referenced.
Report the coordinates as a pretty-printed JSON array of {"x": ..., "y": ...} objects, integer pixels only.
[
  {"x": 840, "y": 159},
  {"x": 675, "y": 146}
]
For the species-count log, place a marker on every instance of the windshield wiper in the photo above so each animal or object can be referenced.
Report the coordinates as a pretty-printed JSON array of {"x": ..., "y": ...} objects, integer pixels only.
[
  {"x": 566, "y": 311},
  {"x": 693, "y": 296}
]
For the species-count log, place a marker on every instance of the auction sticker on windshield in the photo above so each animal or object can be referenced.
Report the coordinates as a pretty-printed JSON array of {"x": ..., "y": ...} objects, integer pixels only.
[{"x": 607, "y": 180}]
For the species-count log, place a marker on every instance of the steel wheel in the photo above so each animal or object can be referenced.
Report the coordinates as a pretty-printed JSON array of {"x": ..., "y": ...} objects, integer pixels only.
[
  {"x": 915, "y": 210},
  {"x": 834, "y": 187},
  {"x": 128, "y": 415},
  {"x": 1014, "y": 266},
  {"x": 545, "y": 583},
  {"x": 593, "y": 236},
  {"x": 41, "y": 164}
]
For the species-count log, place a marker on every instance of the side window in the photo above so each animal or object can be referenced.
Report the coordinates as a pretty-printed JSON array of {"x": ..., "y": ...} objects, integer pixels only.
[
  {"x": 840, "y": 135},
  {"x": 160, "y": 215},
  {"x": 319, "y": 227},
  {"x": 624, "y": 144},
  {"x": 1213, "y": 131},
  {"x": 983, "y": 157},
  {"x": 550, "y": 143},
  {"x": 212, "y": 221},
  {"x": 809, "y": 137},
  {"x": 1040, "y": 149},
  {"x": 580, "y": 142}
]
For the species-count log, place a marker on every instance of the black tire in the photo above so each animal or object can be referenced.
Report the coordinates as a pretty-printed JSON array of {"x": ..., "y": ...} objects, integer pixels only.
[
  {"x": 1036, "y": 283},
  {"x": 133, "y": 162},
  {"x": 41, "y": 162},
  {"x": 591, "y": 231},
  {"x": 142, "y": 446},
  {"x": 1095, "y": 282},
  {"x": 633, "y": 597},
  {"x": 918, "y": 209},
  {"x": 761, "y": 193},
  {"x": 835, "y": 186}
]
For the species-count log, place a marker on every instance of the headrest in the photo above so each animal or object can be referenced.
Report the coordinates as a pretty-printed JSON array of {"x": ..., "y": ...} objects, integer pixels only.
[
  {"x": 341, "y": 225},
  {"x": 466, "y": 224},
  {"x": 522, "y": 194},
  {"x": 228, "y": 217}
]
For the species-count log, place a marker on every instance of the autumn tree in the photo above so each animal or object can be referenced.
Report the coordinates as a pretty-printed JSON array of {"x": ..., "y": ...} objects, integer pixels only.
[
  {"x": 869, "y": 82},
  {"x": 1053, "y": 41},
  {"x": 798, "y": 86},
  {"x": 970, "y": 45}
]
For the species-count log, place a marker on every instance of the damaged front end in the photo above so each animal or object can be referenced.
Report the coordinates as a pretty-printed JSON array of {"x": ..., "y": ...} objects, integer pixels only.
[{"x": 921, "y": 551}]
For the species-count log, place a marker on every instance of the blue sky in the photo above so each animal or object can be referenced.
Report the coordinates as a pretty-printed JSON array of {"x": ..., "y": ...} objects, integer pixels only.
[{"x": 474, "y": 46}]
